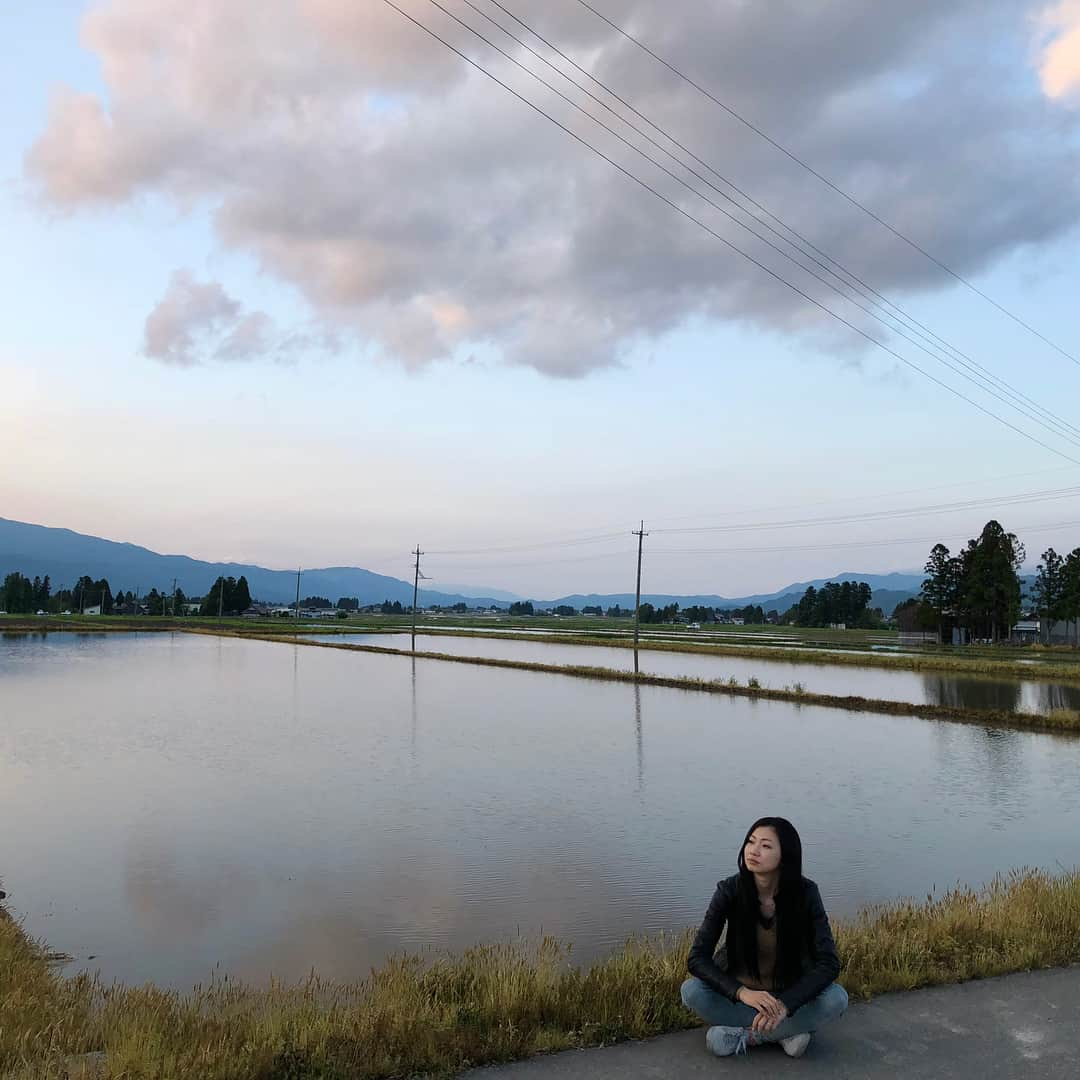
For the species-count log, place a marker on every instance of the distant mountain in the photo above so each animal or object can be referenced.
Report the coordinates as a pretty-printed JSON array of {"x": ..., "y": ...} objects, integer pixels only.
[
  {"x": 479, "y": 590},
  {"x": 36, "y": 550},
  {"x": 889, "y": 590}
]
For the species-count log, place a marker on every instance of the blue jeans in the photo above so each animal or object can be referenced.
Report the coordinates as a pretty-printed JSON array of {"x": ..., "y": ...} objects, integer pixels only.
[{"x": 715, "y": 1008}]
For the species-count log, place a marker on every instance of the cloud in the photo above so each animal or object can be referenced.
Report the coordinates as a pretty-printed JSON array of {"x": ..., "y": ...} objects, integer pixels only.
[
  {"x": 424, "y": 212},
  {"x": 197, "y": 322},
  {"x": 1059, "y": 67}
]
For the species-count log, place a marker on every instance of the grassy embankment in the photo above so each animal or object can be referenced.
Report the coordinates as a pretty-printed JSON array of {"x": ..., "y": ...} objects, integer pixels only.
[
  {"x": 827, "y": 647},
  {"x": 1061, "y": 720},
  {"x": 438, "y": 1015}
]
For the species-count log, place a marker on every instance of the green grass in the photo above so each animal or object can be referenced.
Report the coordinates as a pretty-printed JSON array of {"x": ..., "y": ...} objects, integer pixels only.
[{"x": 440, "y": 1014}]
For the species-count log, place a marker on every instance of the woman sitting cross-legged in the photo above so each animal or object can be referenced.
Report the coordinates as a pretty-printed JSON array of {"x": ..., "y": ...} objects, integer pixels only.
[{"x": 774, "y": 979}]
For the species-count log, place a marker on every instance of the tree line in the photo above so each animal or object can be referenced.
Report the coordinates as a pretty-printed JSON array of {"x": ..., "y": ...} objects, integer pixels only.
[
  {"x": 21, "y": 596},
  {"x": 836, "y": 603},
  {"x": 979, "y": 588}
]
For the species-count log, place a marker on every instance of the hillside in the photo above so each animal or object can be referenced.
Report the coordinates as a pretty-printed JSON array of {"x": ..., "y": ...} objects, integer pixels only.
[{"x": 36, "y": 550}]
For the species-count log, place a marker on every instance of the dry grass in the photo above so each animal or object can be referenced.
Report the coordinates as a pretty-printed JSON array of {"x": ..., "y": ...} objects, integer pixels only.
[{"x": 489, "y": 1004}]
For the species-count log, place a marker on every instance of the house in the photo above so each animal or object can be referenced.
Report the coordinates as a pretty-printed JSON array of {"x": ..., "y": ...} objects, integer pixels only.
[
  {"x": 94, "y": 610},
  {"x": 1025, "y": 632}
]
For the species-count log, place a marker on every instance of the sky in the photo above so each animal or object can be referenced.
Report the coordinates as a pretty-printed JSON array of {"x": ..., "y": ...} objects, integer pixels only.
[{"x": 293, "y": 283}]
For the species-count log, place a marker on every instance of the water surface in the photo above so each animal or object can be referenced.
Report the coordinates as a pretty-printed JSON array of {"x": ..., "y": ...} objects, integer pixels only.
[
  {"x": 932, "y": 688},
  {"x": 175, "y": 803}
]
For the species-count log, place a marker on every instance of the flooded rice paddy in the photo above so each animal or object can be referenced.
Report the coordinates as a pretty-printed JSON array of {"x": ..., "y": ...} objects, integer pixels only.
[
  {"x": 176, "y": 805},
  {"x": 931, "y": 688}
]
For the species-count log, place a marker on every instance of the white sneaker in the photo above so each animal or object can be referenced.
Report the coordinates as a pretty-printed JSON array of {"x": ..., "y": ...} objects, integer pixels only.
[{"x": 795, "y": 1045}]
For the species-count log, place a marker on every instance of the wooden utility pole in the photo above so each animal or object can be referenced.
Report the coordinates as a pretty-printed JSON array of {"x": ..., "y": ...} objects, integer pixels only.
[
  {"x": 640, "y": 534},
  {"x": 220, "y": 595},
  {"x": 174, "y": 598},
  {"x": 415, "y": 593},
  {"x": 297, "y": 608}
]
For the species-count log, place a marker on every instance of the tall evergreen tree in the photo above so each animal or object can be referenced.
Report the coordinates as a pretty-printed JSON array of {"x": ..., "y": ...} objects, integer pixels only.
[
  {"x": 990, "y": 587},
  {"x": 1048, "y": 592},
  {"x": 1070, "y": 601}
]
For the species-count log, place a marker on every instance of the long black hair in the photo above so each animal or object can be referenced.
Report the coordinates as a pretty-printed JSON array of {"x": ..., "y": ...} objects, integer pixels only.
[{"x": 791, "y": 915}]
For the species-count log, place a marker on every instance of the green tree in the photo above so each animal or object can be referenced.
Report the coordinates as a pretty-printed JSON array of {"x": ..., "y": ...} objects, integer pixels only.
[
  {"x": 18, "y": 594},
  {"x": 990, "y": 581},
  {"x": 1070, "y": 601},
  {"x": 219, "y": 599},
  {"x": 941, "y": 590},
  {"x": 1048, "y": 592},
  {"x": 521, "y": 607}
]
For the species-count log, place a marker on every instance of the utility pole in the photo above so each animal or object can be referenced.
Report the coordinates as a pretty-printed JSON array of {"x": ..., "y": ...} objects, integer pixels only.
[
  {"x": 415, "y": 591},
  {"x": 297, "y": 608},
  {"x": 640, "y": 534},
  {"x": 174, "y": 598},
  {"x": 220, "y": 595}
]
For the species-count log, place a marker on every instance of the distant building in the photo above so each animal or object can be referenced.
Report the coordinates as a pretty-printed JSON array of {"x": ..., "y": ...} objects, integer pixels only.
[
  {"x": 94, "y": 610},
  {"x": 1025, "y": 632}
]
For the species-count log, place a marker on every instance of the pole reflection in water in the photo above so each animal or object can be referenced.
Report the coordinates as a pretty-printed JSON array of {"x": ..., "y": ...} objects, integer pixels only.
[
  {"x": 412, "y": 732},
  {"x": 637, "y": 737}
]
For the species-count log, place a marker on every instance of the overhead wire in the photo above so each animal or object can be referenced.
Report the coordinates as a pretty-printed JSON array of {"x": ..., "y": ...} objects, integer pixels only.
[
  {"x": 956, "y": 537},
  {"x": 827, "y": 182},
  {"x": 841, "y": 274},
  {"x": 1056, "y": 426},
  {"x": 529, "y": 547},
  {"x": 1024, "y": 498},
  {"x": 724, "y": 240}
]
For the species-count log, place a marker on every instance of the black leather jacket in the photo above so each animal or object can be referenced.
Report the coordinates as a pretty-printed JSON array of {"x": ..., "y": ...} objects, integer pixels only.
[{"x": 820, "y": 964}]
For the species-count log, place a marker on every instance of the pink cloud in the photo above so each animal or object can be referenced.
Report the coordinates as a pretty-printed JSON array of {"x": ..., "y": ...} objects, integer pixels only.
[{"x": 1059, "y": 67}]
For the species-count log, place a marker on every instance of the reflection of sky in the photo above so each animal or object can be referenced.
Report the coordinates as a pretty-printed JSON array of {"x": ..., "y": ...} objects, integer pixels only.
[
  {"x": 190, "y": 802},
  {"x": 934, "y": 689}
]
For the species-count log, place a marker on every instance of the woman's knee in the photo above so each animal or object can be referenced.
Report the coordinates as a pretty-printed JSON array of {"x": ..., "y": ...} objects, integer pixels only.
[
  {"x": 691, "y": 991},
  {"x": 834, "y": 1001}
]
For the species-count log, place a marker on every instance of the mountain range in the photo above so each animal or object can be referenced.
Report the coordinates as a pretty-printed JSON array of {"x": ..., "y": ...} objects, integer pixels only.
[{"x": 64, "y": 555}]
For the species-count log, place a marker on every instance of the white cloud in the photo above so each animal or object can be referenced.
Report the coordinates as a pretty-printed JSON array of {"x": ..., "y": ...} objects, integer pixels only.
[
  {"x": 198, "y": 322},
  {"x": 419, "y": 208}
]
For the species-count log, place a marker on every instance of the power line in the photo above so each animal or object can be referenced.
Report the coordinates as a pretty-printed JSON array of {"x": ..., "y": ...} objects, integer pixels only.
[
  {"x": 826, "y": 181},
  {"x": 1046, "y": 527},
  {"x": 881, "y": 495},
  {"x": 1012, "y": 396},
  {"x": 884, "y": 515},
  {"x": 871, "y": 294},
  {"x": 728, "y": 243},
  {"x": 869, "y": 517},
  {"x": 529, "y": 547}
]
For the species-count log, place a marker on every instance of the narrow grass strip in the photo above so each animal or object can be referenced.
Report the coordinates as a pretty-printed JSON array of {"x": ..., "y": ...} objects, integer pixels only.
[
  {"x": 1060, "y": 721},
  {"x": 831, "y": 654},
  {"x": 439, "y": 1014},
  {"x": 959, "y": 665}
]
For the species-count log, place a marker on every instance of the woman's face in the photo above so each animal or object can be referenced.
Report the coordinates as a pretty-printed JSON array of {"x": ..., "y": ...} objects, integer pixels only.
[{"x": 762, "y": 850}]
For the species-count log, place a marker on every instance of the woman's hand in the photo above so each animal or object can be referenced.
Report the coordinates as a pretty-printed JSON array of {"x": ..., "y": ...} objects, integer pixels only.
[{"x": 770, "y": 1011}]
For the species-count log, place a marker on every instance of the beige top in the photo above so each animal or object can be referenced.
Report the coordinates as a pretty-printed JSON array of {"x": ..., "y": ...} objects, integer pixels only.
[{"x": 766, "y": 958}]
